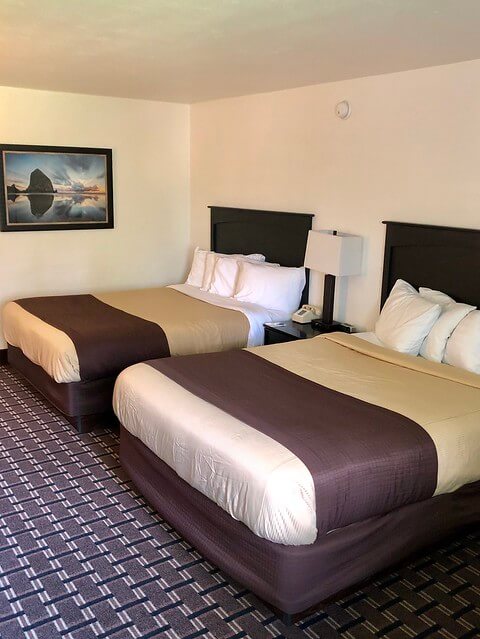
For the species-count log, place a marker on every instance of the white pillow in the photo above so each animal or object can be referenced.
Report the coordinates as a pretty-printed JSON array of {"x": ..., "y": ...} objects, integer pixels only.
[
  {"x": 463, "y": 347},
  {"x": 211, "y": 258},
  {"x": 406, "y": 319},
  {"x": 195, "y": 277},
  {"x": 209, "y": 266},
  {"x": 224, "y": 277},
  {"x": 225, "y": 274},
  {"x": 434, "y": 345},
  {"x": 437, "y": 297},
  {"x": 277, "y": 288}
]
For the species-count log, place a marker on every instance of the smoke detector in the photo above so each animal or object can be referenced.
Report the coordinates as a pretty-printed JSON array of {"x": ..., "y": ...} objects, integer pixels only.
[{"x": 343, "y": 110}]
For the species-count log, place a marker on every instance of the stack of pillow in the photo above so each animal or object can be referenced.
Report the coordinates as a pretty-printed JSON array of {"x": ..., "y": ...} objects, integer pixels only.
[
  {"x": 430, "y": 324},
  {"x": 248, "y": 278}
]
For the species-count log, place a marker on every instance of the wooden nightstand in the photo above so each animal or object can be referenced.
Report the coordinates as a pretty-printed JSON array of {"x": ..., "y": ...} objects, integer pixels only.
[{"x": 288, "y": 331}]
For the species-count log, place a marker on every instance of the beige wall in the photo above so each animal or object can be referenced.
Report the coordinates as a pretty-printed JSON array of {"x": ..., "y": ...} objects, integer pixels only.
[
  {"x": 410, "y": 151},
  {"x": 150, "y": 142}
]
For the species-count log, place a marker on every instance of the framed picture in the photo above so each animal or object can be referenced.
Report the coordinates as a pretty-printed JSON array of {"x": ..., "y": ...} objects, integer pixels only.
[{"x": 54, "y": 188}]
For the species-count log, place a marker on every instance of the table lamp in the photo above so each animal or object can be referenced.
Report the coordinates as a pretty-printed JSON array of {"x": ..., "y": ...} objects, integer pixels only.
[{"x": 336, "y": 255}]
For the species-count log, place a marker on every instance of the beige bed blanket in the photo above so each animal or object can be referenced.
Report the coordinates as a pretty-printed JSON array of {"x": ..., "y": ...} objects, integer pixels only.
[
  {"x": 444, "y": 400},
  {"x": 190, "y": 326}
]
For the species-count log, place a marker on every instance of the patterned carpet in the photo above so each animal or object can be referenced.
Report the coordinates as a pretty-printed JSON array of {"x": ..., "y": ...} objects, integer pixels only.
[{"x": 83, "y": 556}]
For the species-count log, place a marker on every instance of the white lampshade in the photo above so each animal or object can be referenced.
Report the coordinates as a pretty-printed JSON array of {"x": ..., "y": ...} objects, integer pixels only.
[{"x": 338, "y": 255}]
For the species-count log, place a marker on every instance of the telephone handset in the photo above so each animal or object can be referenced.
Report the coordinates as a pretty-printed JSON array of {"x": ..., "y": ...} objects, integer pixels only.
[{"x": 305, "y": 314}]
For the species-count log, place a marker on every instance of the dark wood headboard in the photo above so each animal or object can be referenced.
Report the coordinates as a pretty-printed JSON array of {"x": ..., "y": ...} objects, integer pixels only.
[
  {"x": 439, "y": 257},
  {"x": 281, "y": 237}
]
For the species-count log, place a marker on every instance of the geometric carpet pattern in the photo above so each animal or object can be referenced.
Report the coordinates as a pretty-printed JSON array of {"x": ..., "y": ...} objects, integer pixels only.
[{"x": 83, "y": 556}]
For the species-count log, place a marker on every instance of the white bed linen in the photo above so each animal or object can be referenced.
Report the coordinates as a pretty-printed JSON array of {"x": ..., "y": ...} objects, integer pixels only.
[
  {"x": 250, "y": 475},
  {"x": 41, "y": 343}
]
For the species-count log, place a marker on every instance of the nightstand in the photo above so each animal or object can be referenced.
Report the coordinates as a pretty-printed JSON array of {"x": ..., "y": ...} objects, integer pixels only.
[{"x": 288, "y": 331}]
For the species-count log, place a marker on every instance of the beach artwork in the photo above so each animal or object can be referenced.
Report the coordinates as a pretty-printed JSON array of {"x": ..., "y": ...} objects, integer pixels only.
[{"x": 54, "y": 188}]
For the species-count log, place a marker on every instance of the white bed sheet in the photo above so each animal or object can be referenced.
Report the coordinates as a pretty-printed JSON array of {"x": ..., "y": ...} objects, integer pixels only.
[{"x": 251, "y": 476}]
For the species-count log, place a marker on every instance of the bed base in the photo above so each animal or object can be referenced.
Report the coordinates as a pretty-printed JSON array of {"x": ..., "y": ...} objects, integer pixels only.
[
  {"x": 293, "y": 579},
  {"x": 85, "y": 405},
  {"x": 86, "y": 423}
]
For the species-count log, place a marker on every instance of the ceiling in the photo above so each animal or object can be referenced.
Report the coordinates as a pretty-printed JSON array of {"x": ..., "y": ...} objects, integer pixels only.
[{"x": 193, "y": 50}]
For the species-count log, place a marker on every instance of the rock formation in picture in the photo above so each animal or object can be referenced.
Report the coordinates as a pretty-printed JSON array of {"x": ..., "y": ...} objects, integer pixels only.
[
  {"x": 40, "y": 183},
  {"x": 12, "y": 188}
]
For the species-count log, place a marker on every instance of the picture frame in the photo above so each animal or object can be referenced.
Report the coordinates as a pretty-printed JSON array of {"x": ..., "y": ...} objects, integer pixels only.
[{"x": 55, "y": 188}]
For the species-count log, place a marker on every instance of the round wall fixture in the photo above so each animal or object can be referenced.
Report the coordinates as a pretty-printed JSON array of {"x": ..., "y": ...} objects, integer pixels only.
[{"x": 343, "y": 109}]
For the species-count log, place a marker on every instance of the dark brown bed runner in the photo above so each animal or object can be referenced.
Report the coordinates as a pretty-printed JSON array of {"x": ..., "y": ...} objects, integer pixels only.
[
  {"x": 365, "y": 460},
  {"x": 106, "y": 339}
]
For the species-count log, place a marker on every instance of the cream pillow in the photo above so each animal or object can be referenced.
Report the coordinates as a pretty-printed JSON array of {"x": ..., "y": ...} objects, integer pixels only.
[
  {"x": 195, "y": 277},
  {"x": 434, "y": 345},
  {"x": 406, "y": 319},
  {"x": 463, "y": 347},
  {"x": 273, "y": 287}
]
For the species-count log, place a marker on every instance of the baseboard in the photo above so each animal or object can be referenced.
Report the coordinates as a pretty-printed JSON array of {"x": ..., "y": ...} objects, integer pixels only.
[{"x": 3, "y": 355}]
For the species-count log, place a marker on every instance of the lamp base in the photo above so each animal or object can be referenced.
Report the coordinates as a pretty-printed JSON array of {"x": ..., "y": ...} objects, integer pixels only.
[{"x": 331, "y": 327}]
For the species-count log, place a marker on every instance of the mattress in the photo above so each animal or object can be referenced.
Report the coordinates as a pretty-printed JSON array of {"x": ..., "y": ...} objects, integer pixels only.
[
  {"x": 260, "y": 480},
  {"x": 186, "y": 320}
]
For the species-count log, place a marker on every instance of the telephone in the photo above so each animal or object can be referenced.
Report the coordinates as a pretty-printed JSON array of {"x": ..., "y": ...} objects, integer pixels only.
[{"x": 305, "y": 314}]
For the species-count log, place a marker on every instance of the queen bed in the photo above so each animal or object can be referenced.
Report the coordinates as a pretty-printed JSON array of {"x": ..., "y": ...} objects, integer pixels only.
[
  {"x": 72, "y": 347},
  {"x": 304, "y": 468}
]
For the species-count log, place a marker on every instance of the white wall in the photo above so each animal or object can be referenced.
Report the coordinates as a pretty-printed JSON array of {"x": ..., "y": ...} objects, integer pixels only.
[
  {"x": 148, "y": 247},
  {"x": 410, "y": 152}
]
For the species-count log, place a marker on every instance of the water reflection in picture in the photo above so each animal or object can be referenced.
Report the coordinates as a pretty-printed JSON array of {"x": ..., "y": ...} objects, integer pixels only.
[{"x": 56, "y": 208}]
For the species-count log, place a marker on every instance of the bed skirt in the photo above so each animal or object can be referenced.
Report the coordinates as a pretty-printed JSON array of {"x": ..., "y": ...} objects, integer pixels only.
[
  {"x": 295, "y": 578},
  {"x": 84, "y": 404}
]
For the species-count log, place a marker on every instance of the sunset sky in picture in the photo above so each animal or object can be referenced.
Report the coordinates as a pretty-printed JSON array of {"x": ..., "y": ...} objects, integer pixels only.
[{"x": 69, "y": 172}]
